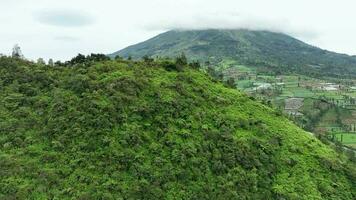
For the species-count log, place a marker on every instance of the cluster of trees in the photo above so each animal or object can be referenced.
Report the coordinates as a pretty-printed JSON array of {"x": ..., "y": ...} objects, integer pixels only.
[
  {"x": 151, "y": 129},
  {"x": 81, "y": 59}
]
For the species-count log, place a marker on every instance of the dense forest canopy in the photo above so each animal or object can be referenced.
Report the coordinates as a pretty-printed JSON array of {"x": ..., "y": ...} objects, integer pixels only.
[{"x": 95, "y": 128}]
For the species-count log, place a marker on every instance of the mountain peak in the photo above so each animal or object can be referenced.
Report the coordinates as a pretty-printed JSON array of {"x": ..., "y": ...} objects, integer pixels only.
[{"x": 277, "y": 51}]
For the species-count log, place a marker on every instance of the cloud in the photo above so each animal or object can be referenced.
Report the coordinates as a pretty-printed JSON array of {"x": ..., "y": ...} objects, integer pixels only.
[
  {"x": 232, "y": 20},
  {"x": 64, "y": 18},
  {"x": 66, "y": 38},
  {"x": 110, "y": 26}
]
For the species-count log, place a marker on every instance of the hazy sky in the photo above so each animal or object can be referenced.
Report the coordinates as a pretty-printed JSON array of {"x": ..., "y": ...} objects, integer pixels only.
[{"x": 60, "y": 29}]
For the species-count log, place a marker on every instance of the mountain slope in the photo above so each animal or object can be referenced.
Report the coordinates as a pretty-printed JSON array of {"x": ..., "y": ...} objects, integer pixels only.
[
  {"x": 277, "y": 51},
  {"x": 152, "y": 130}
]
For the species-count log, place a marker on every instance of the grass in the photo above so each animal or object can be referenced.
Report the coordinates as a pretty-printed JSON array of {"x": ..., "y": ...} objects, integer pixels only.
[
  {"x": 301, "y": 92},
  {"x": 348, "y": 139},
  {"x": 244, "y": 84},
  {"x": 243, "y": 68}
]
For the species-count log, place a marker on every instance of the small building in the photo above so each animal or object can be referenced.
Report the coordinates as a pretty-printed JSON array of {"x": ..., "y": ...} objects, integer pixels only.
[
  {"x": 262, "y": 86},
  {"x": 292, "y": 106},
  {"x": 329, "y": 87}
]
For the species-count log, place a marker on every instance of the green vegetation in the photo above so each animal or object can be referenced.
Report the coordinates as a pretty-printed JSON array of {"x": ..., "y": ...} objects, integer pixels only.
[
  {"x": 272, "y": 67},
  {"x": 320, "y": 109},
  {"x": 94, "y": 128},
  {"x": 347, "y": 139},
  {"x": 272, "y": 53}
]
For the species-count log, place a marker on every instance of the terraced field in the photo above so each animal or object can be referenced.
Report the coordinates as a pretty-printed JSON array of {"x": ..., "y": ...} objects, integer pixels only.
[
  {"x": 326, "y": 103},
  {"x": 348, "y": 139}
]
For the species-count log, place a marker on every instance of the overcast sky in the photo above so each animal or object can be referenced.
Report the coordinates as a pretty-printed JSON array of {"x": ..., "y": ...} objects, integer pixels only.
[{"x": 60, "y": 29}]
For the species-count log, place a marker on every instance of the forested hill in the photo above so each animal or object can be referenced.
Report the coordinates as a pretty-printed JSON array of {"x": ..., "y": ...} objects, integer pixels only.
[
  {"x": 117, "y": 129},
  {"x": 277, "y": 52}
]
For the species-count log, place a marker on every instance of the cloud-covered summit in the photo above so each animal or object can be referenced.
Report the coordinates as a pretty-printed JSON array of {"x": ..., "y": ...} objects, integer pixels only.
[
  {"x": 61, "y": 29},
  {"x": 231, "y": 20}
]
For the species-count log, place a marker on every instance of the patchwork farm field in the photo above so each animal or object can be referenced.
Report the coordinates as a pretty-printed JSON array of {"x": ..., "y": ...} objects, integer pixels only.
[{"x": 321, "y": 106}]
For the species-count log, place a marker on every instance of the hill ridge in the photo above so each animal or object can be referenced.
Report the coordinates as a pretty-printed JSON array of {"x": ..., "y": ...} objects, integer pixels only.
[
  {"x": 119, "y": 129},
  {"x": 278, "y": 52}
]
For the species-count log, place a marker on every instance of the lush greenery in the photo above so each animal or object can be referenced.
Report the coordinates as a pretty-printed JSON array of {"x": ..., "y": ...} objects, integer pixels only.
[
  {"x": 285, "y": 66},
  {"x": 275, "y": 53},
  {"x": 321, "y": 111},
  {"x": 118, "y": 129},
  {"x": 345, "y": 138}
]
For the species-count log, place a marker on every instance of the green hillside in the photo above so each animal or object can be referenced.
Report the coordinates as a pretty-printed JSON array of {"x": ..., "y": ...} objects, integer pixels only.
[
  {"x": 276, "y": 52},
  {"x": 120, "y": 129}
]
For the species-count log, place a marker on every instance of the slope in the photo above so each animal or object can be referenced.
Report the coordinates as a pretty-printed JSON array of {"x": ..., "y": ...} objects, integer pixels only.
[
  {"x": 152, "y": 130},
  {"x": 276, "y": 51}
]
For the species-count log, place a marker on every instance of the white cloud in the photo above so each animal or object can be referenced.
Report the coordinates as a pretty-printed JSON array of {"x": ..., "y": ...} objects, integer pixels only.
[
  {"x": 231, "y": 20},
  {"x": 69, "y": 27},
  {"x": 64, "y": 18},
  {"x": 67, "y": 38}
]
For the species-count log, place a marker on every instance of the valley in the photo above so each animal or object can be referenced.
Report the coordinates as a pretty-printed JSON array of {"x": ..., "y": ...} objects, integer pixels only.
[{"x": 320, "y": 106}]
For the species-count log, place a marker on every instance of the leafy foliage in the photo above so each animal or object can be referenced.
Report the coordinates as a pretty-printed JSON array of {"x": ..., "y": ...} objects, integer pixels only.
[{"x": 119, "y": 129}]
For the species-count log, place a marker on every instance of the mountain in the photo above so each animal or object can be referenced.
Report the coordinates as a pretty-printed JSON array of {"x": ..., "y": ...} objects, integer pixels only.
[
  {"x": 276, "y": 51},
  {"x": 121, "y": 129}
]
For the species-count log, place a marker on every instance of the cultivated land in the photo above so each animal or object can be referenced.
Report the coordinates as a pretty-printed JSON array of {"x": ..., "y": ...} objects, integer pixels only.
[{"x": 328, "y": 106}]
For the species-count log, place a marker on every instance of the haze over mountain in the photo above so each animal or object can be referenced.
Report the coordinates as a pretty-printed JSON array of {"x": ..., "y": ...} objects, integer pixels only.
[{"x": 276, "y": 51}]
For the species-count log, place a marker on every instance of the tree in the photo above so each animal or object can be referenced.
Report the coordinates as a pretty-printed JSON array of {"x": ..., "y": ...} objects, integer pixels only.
[
  {"x": 40, "y": 61},
  {"x": 58, "y": 63},
  {"x": 50, "y": 62},
  {"x": 195, "y": 65},
  {"x": 147, "y": 59},
  {"x": 97, "y": 57},
  {"x": 118, "y": 57},
  {"x": 80, "y": 58},
  {"x": 182, "y": 60},
  {"x": 171, "y": 66},
  {"x": 16, "y": 52},
  {"x": 214, "y": 73},
  {"x": 231, "y": 82}
]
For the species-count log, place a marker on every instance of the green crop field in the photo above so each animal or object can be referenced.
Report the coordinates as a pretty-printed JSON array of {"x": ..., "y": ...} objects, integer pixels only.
[
  {"x": 321, "y": 108},
  {"x": 348, "y": 139},
  {"x": 301, "y": 92}
]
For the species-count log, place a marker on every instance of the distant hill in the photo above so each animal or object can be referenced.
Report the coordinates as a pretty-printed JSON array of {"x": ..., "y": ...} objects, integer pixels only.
[
  {"x": 121, "y": 129},
  {"x": 276, "y": 51}
]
